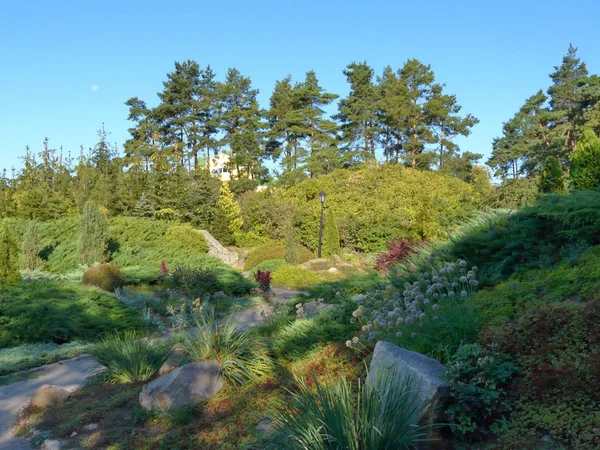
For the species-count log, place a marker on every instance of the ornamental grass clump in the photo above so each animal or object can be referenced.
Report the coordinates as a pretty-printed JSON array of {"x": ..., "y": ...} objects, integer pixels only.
[
  {"x": 430, "y": 316},
  {"x": 129, "y": 357},
  {"x": 242, "y": 355},
  {"x": 382, "y": 415}
]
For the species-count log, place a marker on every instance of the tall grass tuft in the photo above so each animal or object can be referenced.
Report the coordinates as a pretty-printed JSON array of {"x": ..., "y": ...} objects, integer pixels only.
[
  {"x": 378, "y": 416},
  {"x": 242, "y": 355},
  {"x": 129, "y": 357}
]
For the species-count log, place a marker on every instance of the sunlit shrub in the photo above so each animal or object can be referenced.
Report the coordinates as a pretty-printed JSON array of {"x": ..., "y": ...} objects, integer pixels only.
[{"x": 107, "y": 277}]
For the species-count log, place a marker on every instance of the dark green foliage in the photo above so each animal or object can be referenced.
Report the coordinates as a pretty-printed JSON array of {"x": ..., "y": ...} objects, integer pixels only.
[
  {"x": 187, "y": 237},
  {"x": 478, "y": 400},
  {"x": 291, "y": 248},
  {"x": 557, "y": 347},
  {"x": 274, "y": 251},
  {"x": 195, "y": 282},
  {"x": 50, "y": 311},
  {"x": 30, "y": 248},
  {"x": 514, "y": 192},
  {"x": 551, "y": 177},
  {"x": 270, "y": 265},
  {"x": 585, "y": 162},
  {"x": 347, "y": 287},
  {"x": 107, "y": 277},
  {"x": 9, "y": 256},
  {"x": 331, "y": 236},
  {"x": 93, "y": 235},
  {"x": 502, "y": 243}
]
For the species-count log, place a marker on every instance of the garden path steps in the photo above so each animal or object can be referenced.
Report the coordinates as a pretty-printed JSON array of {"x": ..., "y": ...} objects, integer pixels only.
[{"x": 71, "y": 374}]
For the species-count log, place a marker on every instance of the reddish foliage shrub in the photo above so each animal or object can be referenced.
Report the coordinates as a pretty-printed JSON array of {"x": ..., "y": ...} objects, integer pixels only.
[
  {"x": 164, "y": 270},
  {"x": 263, "y": 279},
  {"x": 399, "y": 250}
]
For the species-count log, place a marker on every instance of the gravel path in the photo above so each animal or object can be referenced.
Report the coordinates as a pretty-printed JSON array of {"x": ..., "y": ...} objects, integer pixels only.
[
  {"x": 69, "y": 374},
  {"x": 72, "y": 373}
]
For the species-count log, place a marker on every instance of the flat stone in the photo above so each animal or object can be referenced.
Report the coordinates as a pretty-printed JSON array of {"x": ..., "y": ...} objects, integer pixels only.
[
  {"x": 49, "y": 444},
  {"x": 427, "y": 373},
  {"x": 188, "y": 385},
  {"x": 49, "y": 395}
]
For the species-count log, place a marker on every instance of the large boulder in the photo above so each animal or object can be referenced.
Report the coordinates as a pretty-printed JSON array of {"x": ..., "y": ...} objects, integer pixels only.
[
  {"x": 188, "y": 385},
  {"x": 49, "y": 395},
  {"x": 311, "y": 309},
  {"x": 427, "y": 373}
]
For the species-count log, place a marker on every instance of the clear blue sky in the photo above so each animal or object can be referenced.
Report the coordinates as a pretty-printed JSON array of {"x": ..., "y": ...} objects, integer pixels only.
[{"x": 492, "y": 55}]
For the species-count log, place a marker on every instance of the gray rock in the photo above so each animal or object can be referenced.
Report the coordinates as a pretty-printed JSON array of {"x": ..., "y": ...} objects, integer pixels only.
[
  {"x": 48, "y": 395},
  {"x": 427, "y": 373},
  {"x": 218, "y": 294},
  {"x": 546, "y": 438},
  {"x": 90, "y": 427},
  {"x": 311, "y": 309},
  {"x": 49, "y": 444},
  {"x": 73, "y": 434},
  {"x": 188, "y": 385},
  {"x": 176, "y": 359},
  {"x": 334, "y": 270},
  {"x": 218, "y": 251}
]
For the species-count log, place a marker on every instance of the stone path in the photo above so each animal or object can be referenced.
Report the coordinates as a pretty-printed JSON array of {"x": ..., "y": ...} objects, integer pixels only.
[
  {"x": 69, "y": 374},
  {"x": 72, "y": 373}
]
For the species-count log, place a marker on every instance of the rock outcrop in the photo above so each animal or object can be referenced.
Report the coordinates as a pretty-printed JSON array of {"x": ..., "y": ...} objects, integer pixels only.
[
  {"x": 218, "y": 251},
  {"x": 427, "y": 373},
  {"x": 188, "y": 385},
  {"x": 48, "y": 395}
]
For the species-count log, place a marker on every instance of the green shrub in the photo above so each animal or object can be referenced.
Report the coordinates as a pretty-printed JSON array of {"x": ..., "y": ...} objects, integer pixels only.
[
  {"x": 9, "y": 256},
  {"x": 93, "y": 235},
  {"x": 514, "y": 193},
  {"x": 585, "y": 162},
  {"x": 129, "y": 357},
  {"x": 269, "y": 265},
  {"x": 477, "y": 378},
  {"x": 30, "y": 248},
  {"x": 242, "y": 355},
  {"x": 107, "y": 277},
  {"x": 557, "y": 347},
  {"x": 187, "y": 237},
  {"x": 380, "y": 416},
  {"x": 331, "y": 236},
  {"x": 551, "y": 177},
  {"x": 40, "y": 311},
  {"x": 290, "y": 246},
  {"x": 294, "y": 277},
  {"x": 274, "y": 251},
  {"x": 196, "y": 282}
]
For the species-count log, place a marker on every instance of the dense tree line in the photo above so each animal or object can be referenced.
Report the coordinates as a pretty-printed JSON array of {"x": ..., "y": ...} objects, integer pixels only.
[{"x": 541, "y": 139}]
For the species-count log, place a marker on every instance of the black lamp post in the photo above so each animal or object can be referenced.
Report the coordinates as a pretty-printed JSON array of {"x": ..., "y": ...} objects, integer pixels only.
[{"x": 322, "y": 198}]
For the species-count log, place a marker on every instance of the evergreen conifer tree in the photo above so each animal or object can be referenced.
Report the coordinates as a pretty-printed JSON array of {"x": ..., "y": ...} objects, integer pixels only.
[
  {"x": 93, "y": 237},
  {"x": 291, "y": 250},
  {"x": 9, "y": 256},
  {"x": 551, "y": 177},
  {"x": 230, "y": 212},
  {"x": 585, "y": 162},
  {"x": 331, "y": 238},
  {"x": 30, "y": 248}
]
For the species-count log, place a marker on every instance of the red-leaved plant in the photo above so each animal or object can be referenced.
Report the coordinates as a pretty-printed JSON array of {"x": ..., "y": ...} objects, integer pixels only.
[
  {"x": 164, "y": 270},
  {"x": 263, "y": 279},
  {"x": 399, "y": 250}
]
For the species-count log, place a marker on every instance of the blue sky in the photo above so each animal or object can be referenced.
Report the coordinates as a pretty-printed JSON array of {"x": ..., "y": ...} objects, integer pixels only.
[{"x": 52, "y": 54}]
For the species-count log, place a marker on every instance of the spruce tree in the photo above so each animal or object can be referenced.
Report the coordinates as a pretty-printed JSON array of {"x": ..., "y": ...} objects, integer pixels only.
[
  {"x": 143, "y": 208},
  {"x": 585, "y": 162},
  {"x": 331, "y": 238},
  {"x": 229, "y": 212},
  {"x": 93, "y": 237},
  {"x": 30, "y": 248},
  {"x": 551, "y": 177},
  {"x": 9, "y": 256},
  {"x": 291, "y": 250}
]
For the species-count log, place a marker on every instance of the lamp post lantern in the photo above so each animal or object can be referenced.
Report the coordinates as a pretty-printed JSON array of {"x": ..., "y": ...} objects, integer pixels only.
[{"x": 322, "y": 198}]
